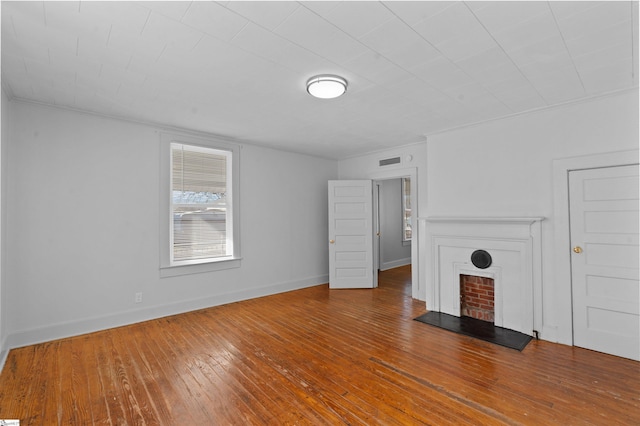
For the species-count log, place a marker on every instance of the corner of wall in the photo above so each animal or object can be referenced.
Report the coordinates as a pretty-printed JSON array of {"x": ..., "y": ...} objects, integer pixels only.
[{"x": 4, "y": 100}]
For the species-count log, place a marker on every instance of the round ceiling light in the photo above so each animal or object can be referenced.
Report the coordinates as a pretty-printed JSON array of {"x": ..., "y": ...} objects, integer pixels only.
[{"x": 326, "y": 86}]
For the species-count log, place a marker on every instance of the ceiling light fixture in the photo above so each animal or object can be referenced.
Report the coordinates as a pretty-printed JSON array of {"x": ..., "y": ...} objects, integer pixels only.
[{"x": 326, "y": 86}]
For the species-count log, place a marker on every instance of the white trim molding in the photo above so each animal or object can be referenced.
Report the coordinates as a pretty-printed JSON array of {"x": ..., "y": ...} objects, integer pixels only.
[{"x": 385, "y": 266}]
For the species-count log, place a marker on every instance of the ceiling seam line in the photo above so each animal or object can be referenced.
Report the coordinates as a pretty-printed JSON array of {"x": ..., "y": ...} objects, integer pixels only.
[
  {"x": 44, "y": 14},
  {"x": 455, "y": 99},
  {"x": 146, "y": 21},
  {"x": 13, "y": 26},
  {"x": 507, "y": 55},
  {"x": 228, "y": 42},
  {"x": 633, "y": 43},
  {"x": 564, "y": 43},
  {"x": 280, "y": 23}
]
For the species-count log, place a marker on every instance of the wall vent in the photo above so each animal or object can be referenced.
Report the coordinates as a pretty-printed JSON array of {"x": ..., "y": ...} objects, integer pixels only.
[{"x": 388, "y": 161}]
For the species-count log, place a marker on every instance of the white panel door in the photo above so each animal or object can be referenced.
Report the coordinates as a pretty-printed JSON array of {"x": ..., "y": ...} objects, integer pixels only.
[
  {"x": 351, "y": 234},
  {"x": 604, "y": 264}
]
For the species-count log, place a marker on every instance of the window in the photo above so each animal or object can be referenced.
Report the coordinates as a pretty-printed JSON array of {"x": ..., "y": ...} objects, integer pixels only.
[
  {"x": 406, "y": 209},
  {"x": 199, "y": 205}
]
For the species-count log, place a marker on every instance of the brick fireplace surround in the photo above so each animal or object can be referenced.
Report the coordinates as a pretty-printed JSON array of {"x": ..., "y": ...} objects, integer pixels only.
[{"x": 477, "y": 297}]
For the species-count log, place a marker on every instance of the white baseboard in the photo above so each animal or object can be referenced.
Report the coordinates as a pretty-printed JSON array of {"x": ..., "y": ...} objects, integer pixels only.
[
  {"x": 90, "y": 325},
  {"x": 384, "y": 266},
  {"x": 549, "y": 333},
  {"x": 4, "y": 351}
]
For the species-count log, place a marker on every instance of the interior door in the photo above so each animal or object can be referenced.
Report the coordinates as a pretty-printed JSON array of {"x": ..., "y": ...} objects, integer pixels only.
[
  {"x": 351, "y": 231},
  {"x": 604, "y": 265}
]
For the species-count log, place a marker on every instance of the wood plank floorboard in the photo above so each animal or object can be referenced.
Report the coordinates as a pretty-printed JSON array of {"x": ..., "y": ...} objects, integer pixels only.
[{"x": 312, "y": 357}]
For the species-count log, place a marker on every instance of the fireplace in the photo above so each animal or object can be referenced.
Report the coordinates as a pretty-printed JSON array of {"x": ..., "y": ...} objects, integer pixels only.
[
  {"x": 514, "y": 271},
  {"x": 477, "y": 297}
]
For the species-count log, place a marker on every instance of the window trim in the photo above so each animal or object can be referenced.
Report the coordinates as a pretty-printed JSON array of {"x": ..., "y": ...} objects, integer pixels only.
[
  {"x": 406, "y": 199},
  {"x": 167, "y": 268}
]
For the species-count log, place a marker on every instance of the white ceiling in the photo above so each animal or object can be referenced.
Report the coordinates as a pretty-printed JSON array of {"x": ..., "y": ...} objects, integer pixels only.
[{"x": 239, "y": 69}]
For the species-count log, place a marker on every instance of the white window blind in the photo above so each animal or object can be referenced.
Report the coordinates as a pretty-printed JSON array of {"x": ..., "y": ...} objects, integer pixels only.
[{"x": 201, "y": 225}]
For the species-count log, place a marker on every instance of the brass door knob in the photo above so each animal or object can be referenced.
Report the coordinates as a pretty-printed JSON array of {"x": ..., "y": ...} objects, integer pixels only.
[
  {"x": 577, "y": 249},
  {"x": 332, "y": 241}
]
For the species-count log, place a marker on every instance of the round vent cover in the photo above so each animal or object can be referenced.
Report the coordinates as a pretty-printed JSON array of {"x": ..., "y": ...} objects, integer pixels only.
[{"x": 481, "y": 259}]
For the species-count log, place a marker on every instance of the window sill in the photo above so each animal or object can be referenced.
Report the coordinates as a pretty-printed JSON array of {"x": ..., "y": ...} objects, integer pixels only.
[{"x": 199, "y": 268}]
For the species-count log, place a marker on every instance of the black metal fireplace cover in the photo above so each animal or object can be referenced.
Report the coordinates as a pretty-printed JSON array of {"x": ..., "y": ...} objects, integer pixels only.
[{"x": 481, "y": 259}]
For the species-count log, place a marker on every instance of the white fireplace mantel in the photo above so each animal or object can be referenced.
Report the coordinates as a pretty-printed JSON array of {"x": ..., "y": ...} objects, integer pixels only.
[
  {"x": 490, "y": 220},
  {"x": 515, "y": 246}
]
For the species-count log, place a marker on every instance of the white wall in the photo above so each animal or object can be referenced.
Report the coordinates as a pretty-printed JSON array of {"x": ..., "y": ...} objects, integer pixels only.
[
  {"x": 505, "y": 168},
  {"x": 393, "y": 252},
  {"x": 83, "y": 223}
]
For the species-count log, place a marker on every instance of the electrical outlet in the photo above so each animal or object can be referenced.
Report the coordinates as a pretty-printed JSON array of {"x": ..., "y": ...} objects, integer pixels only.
[{"x": 138, "y": 298}]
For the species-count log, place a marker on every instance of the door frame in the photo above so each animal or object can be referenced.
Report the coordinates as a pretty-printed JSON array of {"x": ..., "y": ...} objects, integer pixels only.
[
  {"x": 376, "y": 226},
  {"x": 411, "y": 172},
  {"x": 378, "y": 216},
  {"x": 563, "y": 332}
]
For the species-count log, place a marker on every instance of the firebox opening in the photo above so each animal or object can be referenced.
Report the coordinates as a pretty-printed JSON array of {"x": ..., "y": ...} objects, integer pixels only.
[{"x": 477, "y": 297}]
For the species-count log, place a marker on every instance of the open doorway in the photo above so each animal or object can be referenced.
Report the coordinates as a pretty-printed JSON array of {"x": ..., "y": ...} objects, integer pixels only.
[
  {"x": 393, "y": 222},
  {"x": 417, "y": 291}
]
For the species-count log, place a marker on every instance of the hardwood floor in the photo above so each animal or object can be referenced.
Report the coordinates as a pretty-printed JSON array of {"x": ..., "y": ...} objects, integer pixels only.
[{"x": 312, "y": 356}]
